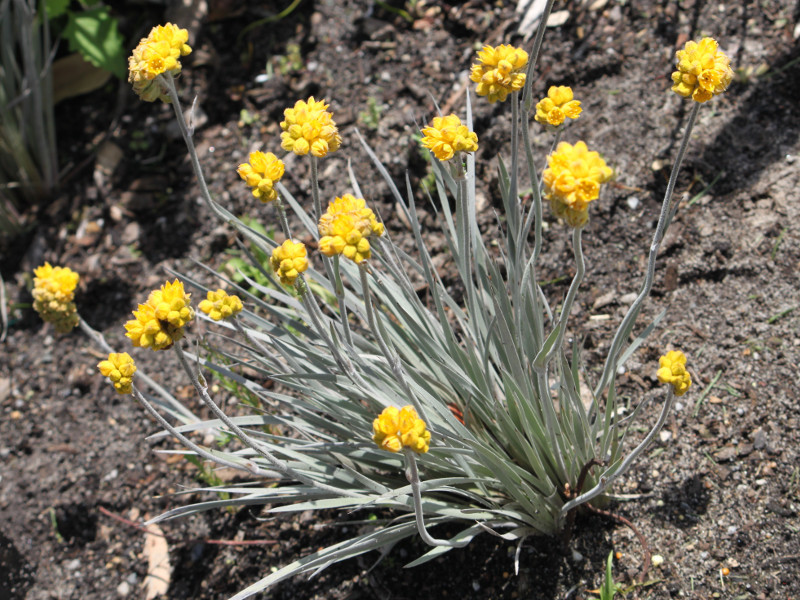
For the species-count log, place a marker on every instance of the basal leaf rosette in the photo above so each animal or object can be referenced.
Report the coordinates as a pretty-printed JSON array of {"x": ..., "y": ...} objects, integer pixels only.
[
  {"x": 160, "y": 322},
  {"x": 119, "y": 368},
  {"x": 219, "y": 305},
  {"x": 572, "y": 180},
  {"x": 499, "y": 71},
  {"x": 447, "y": 135},
  {"x": 289, "y": 260},
  {"x": 53, "y": 296},
  {"x": 262, "y": 173},
  {"x": 155, "y": 55},
  {"x": 309, "y": 127},
  {"x": 345, "y": 228},
  {"x": 672, "y": 370},
  {"x": 559, "y": 105},
  {"x": 703, "y": 70},
  {"x": 396, "y": 429}
]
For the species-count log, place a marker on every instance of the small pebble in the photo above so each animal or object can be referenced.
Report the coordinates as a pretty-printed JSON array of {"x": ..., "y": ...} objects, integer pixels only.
[
  {"x": 475, "y": 585},
  {"x": 732, "y": 529},
  {"x": 657, "y": 560},
  {"x": 633, "y": 202},
  {"x": 74, "y": 564},
  {"x": 665, "y": 435},
  {"x": 123, "y": 589}
]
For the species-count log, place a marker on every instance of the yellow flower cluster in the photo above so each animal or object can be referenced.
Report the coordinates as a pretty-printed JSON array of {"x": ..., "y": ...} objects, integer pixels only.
[
  {"x": 395, "y": 429},
  {"x": 219, "y": 305},
  {"x": 119, "y": 368},
  {"x": 673, "y": 371},
  {"x": 156, "y": 54},
  {"x": 499, "y": 71},
  {"x": 261, "y": 174},
  {"x": 572, "y": 180},
  {"x": 447, "y": 135},
  {"x": 703, "y": 70},
  {"x": 346, "y": 227},
  {"x": 309, "y": 127},
  {"x": 160, "y": 321},
  {"x": 558, "y": 105},
  {"x": 289, "y": 260},
  {"x": 53, "y": 295}
]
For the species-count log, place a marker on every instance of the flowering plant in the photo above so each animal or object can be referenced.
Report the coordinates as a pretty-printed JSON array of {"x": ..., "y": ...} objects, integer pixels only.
[{"x": 462, "y": 412}]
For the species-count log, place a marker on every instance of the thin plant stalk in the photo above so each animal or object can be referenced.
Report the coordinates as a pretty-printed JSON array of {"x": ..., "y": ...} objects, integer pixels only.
[
  {"x": 282, "y": 217},
  {"x": 633, "y": 311},
  {"x": 169, "y": 81},
  {"x": 315, "y": 188},
  {"x": 338, "y": 288},
  {"x": 391, "y": 358},
  {"x": 412, "y": 474},
  {"x": 606, "y": 479}
]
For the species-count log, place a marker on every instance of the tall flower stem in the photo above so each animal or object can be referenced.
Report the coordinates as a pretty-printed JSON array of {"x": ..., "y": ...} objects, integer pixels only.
[
  {"x": 195, "y": 160},
  {"x": 316, "y": 316},
  {"x": 663, "y": 219},
  {"x": 282, "y": 218},
  {"x": 315, "y": 188},
  {"x": 412, "y": 474},
  {"x": 276, "y": 463},
  {"x": 338, "y": 288},
  {"x": 391, "y": 357}
]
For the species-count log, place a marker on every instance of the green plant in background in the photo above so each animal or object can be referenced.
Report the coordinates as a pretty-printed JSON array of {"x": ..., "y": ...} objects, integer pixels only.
[
  {"x": 468, "y": 411},
  {"x": 371, "y": 117},
  {"x": 92, "y": 31},
  {"x": 31, "y": 82},
  {"x": 28, "y": 165},
  {"x": 609, "y": 589},
  {"x": 250, "y": 263}
]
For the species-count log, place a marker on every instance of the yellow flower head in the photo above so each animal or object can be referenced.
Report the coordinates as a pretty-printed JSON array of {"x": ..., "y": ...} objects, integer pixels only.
[
  {"x": 703, "y": 70},
  {"x": 156, "y": 54},
  {"x": 161, "y": 320},
  {"x": 573, "y": 178},
  {"x": 309, "y": 127},
  {"x": 53, "y": 295},
  {"x": 119, "y": 368},
  {"x": 345, "y": 228},
  {"x": 447, "y": 135},
  {"x": 261, "y": 174},
  {"x": 499, "y": 71},
  {"x": 395, "y": 429},
  {"x": 673, "y": 371},
  {"x": 219, "y": 305},
  {"x": 289, "y": 260},
  {"x": 558, "y": 105}
]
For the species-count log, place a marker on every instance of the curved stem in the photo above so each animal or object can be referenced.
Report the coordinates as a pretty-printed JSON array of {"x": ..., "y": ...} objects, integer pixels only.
[
  {"x": 412, "y": 474},
  {"x": 633, "y": 311},
  {"x": 606, "y": 479}
]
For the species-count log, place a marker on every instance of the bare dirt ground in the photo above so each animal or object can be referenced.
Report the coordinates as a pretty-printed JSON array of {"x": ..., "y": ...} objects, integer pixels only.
[{"x": 719, "y": 490}]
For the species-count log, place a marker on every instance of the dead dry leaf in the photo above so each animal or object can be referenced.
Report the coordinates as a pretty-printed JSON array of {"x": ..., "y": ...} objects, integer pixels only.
[{"x": 156, "y": 551}]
